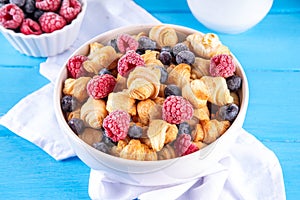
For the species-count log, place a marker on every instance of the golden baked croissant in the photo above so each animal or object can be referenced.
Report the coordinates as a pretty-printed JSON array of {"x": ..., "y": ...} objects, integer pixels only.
[
  {"x": 196, "y": 93},
  {"x": 143, "y": 108},
  {"x": 77, "y": 88},
  {"x": 93, "y": 112},
  {"x": 201, "y": 113},
  {"x": 213, "y": 129},
  {"x": 219, "y": 94},
  {"x": 135, "y": 150},
  {"x": 166, "y": 153},
  {"x": 180, "y": 75},
  {"x": 200, "y": 68},
  {"x": 100, "y": 57},
  {"x": 143, "y": 83},
  {"x": 163, "y": 35},
  {"x": 155, "y": 112},
  {"x": 121, "y": 101},
  {"x": 150, "y": 59},
  {"x": 206, "y": 45},
  {"x": 160, "y": 132},
  {"x": 74, "y": 114},
  {"x": 91, "y": 136}
]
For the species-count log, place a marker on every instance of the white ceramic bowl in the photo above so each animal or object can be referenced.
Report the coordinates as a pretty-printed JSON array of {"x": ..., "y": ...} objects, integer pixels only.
[
  {"x": 146, "y": 172},
  {"x": 229, "y": 16},
  {"x": 46, "y": 44}
]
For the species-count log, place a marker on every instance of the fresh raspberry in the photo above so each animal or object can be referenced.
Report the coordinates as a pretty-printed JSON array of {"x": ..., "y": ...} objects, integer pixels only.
[
  {"x": 129, "y": 61},
  {"x": 100, "y": 86},
  {"x": 222, "y": 65},
  {"x": 126, "y": 42},
  {"x": 182, "y": 144},
  {"x": 191, "y": 149},
  {"x": 75, "y": 67},
  {"x": 70, "y": 9},
  {"x": 48, "y": 5},
  {"x": 30, "y": 27},
  {"x": 116, "y": 125},
  {"x": 51, "y": 21},
  {"x": 11, "y": 16},
  {"x": 177, "y": 109}
]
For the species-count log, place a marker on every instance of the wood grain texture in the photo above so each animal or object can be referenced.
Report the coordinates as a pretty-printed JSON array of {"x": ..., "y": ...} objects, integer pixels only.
[{"x": 268, "y": 52}]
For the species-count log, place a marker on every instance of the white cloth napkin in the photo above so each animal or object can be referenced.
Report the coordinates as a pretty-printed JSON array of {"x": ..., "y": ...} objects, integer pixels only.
[{"x": 240, "y": 174}]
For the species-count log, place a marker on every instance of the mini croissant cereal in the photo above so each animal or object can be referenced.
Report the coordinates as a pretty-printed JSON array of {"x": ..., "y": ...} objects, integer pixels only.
[
  {"x": 163, "y": 95},
  {"x": 93, "y": 112},
  {"x": 77, "y": 88},
  {"x": 206, "y": 45},
  {"x": 100, "y": 57},
  {"x": 143, "y": 83},
  {"x": 163, "y": 35}
]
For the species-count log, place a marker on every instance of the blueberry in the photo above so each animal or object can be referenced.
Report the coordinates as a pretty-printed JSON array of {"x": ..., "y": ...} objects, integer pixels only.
[
  {"x": 178, "y": 48},
  {"x": 166, "y": 48},
  {"x": 146, "y": 43},
  {"x": 19, "y": 3},
  {"x": 234, "y": 82},
  {"x": 184, "y": 127},
  {"x": 29, "y": 6},
  {"x": 140, "y": 51},
  {"x": 113, "y": 43},
  {"x": 172, "y": 90},
  {"x": 104, "y": 71},
  {"x": 187, "y": 57},
  {"x": 101, "y": 146},
  {"x": 165, "y": 57},
  {"x": 68, "y": 103},
  {"x": 37, "y": 13},
  {"x": 135, "y": 132},
  {"x": 76, "y": 125},
  {"x": 228, "y": 112},
  {"x": 108, "y": 141},
  {"x": 163, "y": 74}
]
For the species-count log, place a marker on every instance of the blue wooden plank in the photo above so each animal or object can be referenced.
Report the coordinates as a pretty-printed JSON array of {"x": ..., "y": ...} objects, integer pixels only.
[
  {"x": 26, "y": 172},
  {"x": 16, "y": 83},
  {"x": 273, "y": 105},
  {"x": 12, "y": 57}
]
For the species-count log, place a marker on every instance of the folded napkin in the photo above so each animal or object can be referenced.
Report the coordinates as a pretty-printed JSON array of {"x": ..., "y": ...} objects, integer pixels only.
[{"x": 239, "y": 174}]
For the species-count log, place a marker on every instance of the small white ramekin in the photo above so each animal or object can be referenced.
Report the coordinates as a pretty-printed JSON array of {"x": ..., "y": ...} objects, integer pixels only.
[{"x": 46, "y": 44}]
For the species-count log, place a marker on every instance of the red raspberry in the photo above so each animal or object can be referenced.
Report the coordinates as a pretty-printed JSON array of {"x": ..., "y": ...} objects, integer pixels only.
[
  {"x": 191, "y": 149},
  {"x": 75, "y": 67},
  {"x": 48, "y": 5},
  {"x": 129, "y": 61},
  {"x": 101, "y": 85},
  {"x": 51, "y": 21},
  {"x": 182, "y": 143},
  {"x": 177, "y": 109},
  {"x": 30, "y": 27},
  {"x": 11, "y": 16},
  {"x": 116, "y": 125},
  {"x": 126, "y": 42},
  {"x": 70, "y": 9},
  {"x": 222, "y": 65}
]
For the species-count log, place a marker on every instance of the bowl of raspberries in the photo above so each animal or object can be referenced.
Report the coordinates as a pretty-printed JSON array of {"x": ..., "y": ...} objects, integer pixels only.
[
  {"x": 41, "y": 28},
  {"x": 144, "y": 101}
]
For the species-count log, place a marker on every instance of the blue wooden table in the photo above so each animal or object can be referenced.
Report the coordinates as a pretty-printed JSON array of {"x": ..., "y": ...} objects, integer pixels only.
[{"x": 269, "y": 53}]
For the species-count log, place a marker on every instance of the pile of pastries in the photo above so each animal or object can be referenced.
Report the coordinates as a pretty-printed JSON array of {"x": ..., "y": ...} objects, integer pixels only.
[{"x": 140, "y": 89}]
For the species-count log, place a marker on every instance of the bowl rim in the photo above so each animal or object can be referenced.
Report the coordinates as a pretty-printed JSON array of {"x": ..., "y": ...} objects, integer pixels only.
[
  {"x": 52, "y": 34},
  {"x": 235, "y": 126}
]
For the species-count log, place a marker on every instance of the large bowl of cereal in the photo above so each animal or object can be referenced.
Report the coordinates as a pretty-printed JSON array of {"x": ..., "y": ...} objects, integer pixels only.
[{"x": 145, "y": 101}]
